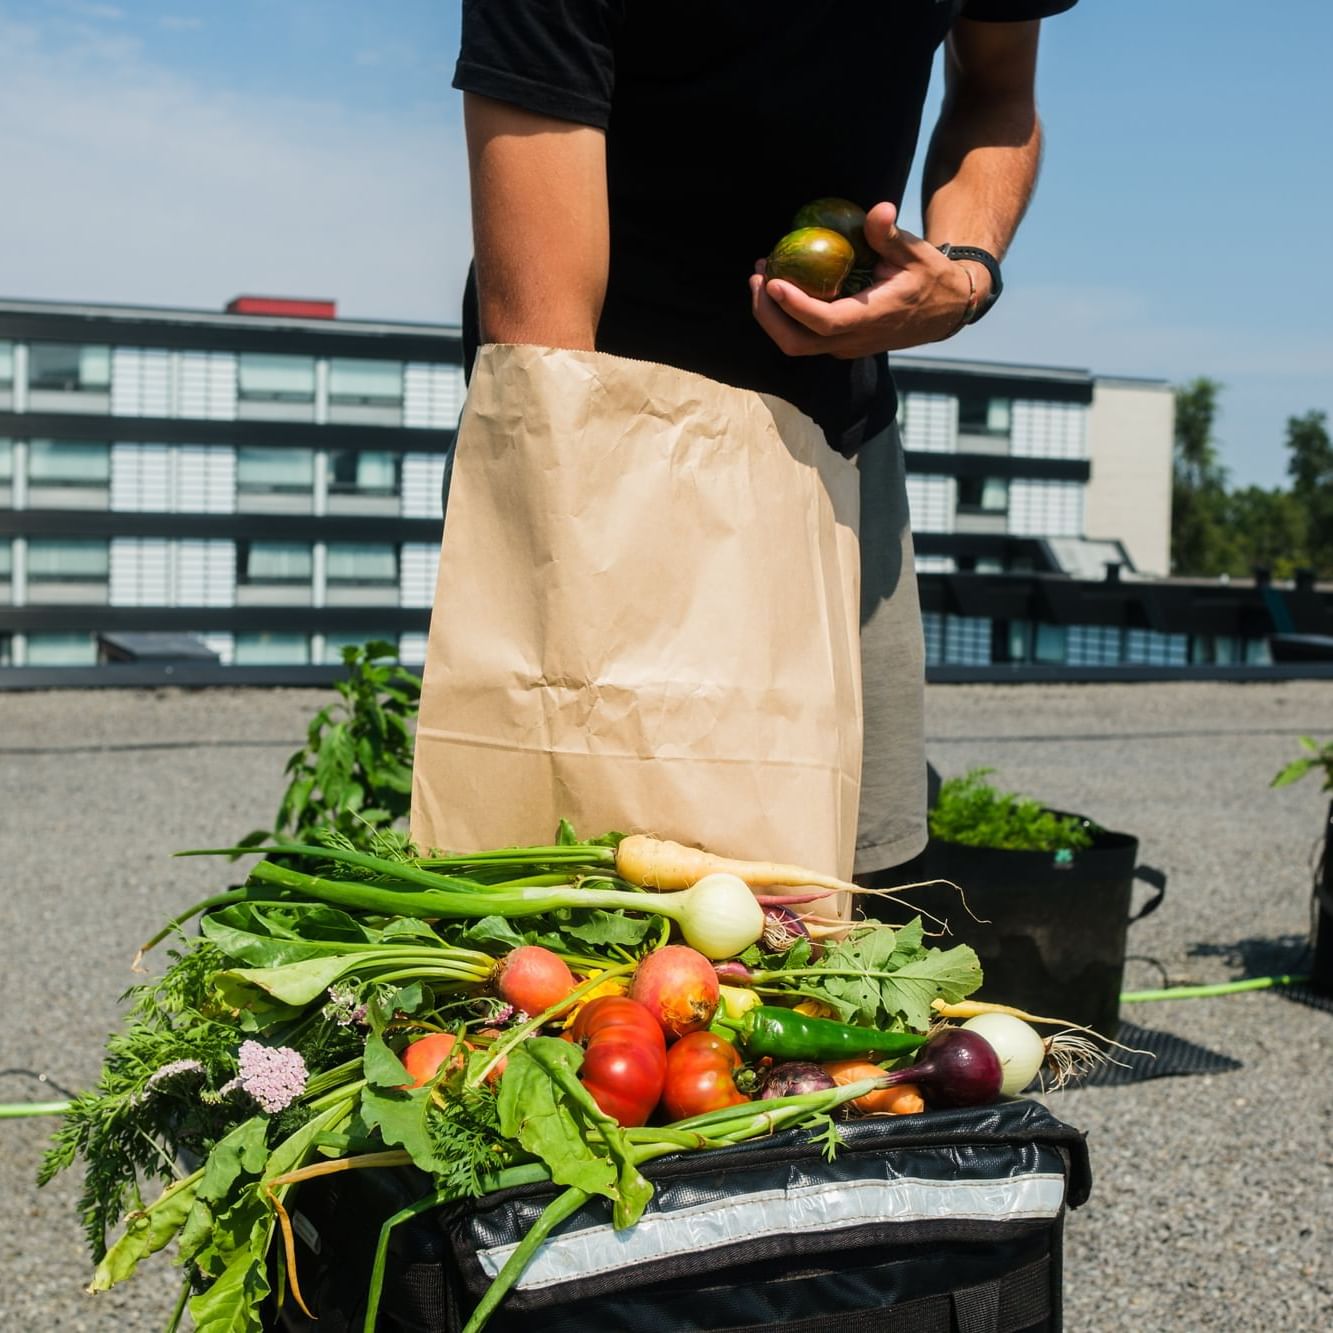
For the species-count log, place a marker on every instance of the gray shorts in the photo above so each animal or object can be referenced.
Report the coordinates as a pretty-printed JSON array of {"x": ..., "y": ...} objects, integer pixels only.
[{"x": 891, "y": 824}]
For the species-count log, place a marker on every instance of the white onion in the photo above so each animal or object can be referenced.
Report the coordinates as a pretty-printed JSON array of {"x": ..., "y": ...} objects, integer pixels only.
[
  {"x": 1018, "y": 1044},
  {"x": 719, "y": 915}
]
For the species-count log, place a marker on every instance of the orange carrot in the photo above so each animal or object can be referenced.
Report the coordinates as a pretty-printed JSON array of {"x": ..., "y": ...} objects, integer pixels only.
[{"x": 905, "y": 1099}]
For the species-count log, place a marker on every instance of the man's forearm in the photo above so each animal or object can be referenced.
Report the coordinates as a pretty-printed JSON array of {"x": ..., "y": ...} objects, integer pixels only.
[
  {"x": 539, "y": 224},
  {"x": 982, "y": 164},
  {"x": 981, "y": 171}
]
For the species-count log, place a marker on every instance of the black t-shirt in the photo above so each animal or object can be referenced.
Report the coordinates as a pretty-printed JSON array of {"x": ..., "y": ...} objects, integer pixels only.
[{"x": 723, "y": 117}]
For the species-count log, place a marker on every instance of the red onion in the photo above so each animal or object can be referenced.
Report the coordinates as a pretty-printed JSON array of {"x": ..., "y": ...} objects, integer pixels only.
[
  {"x": 795, "y": 1077},
  {"x": 957, "y": 1068}
]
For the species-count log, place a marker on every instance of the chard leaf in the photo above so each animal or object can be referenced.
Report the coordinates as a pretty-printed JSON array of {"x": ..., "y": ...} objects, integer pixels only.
[
  {"x": 301, "y": 982},
  {"x": 262, "y": 940},
  {"x": 406, "y": 927},
  {"x": 536, "y": 1111},
  {"x": 146, "y": 1232}
]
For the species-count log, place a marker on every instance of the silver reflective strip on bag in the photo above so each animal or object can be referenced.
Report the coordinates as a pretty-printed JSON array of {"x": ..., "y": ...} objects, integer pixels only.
[{"x": 829, "y": 1206}]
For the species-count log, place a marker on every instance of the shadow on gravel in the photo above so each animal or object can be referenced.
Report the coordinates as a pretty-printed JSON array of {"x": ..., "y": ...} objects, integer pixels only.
[{"x": 1274, "y": 956}]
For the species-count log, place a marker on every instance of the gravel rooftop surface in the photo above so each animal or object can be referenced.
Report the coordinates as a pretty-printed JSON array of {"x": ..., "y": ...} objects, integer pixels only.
[{"x": 1212, "y": 1202}]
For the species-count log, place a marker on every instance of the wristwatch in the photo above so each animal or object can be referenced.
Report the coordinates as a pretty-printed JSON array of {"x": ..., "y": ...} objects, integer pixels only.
[{"x": 989, "y": 263}]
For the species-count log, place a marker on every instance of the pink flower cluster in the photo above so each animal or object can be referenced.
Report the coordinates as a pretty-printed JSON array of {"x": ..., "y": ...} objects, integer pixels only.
[{"x": 273, "y": 1075}]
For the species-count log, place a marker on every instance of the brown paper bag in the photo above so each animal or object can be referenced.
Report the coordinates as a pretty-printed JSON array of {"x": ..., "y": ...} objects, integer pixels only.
[{"x": 645, "y": 617}]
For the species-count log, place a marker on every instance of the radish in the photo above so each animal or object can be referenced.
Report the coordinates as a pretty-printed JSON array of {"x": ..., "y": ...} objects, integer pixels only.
[{"x": 532, "y": 979}]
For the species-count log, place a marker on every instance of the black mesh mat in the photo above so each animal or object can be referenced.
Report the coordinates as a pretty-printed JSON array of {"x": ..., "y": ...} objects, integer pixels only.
[
  {"x": 1155, "y": 1055},
  {"x": 1304, "y": 995}
]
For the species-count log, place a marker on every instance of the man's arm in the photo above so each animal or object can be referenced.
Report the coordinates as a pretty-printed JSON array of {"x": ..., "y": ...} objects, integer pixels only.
[
  {"x": 981, "y": 167},
  {"x": 979, "y": 175},
  {"x": 540, "y": 233}
]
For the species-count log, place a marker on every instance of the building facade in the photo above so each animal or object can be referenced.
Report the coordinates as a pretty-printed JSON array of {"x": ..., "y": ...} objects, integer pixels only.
[{"x": 266, "y": 481}]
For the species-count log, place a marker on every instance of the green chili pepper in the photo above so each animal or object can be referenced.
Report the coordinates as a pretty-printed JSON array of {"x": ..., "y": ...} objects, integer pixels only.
[{"x": 786, "y": 1035}]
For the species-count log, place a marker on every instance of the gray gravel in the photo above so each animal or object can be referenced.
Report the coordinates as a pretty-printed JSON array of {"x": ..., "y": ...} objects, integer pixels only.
[{"x": 1212, "y": 1202}]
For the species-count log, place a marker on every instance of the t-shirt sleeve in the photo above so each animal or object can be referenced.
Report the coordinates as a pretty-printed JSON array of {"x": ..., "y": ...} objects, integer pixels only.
[
  {"x": 552, "y": 57},
  {"x": 1014, "y": 11}
]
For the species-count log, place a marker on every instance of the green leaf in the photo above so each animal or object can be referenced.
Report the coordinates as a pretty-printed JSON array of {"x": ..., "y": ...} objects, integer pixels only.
[
  {"x": 1293, "y": 772},
  {"x": 297, "y": 983},
  {"x": 604, "y": 927},
  {"x": 539, "y": 1113},
  {"x": 947, "y": 974},
  {"x": 251, "y": 937},
  {"x": 383, "y": 1069},
  {"x": 403, "y": 1121},
  {"x": 232, "y": 1303},
  {"x": 242, "y": 1153},
  {"x": 146, "y": 1232}
]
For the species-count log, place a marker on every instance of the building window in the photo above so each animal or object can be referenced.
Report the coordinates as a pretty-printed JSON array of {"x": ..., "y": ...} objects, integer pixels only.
[
  {"x": 362, "y": 563},
  {"x": 365, "y": 383},
  {"x": 274, "y": 562},
  {"x": 69, "y": 367},
  {"x": 983, "y": 495},
  {"x": 61, "y": 650},
  {"x": 68, "y": 560},
  {"x": 6, "y": 560},
  {"x": 6, "y": 365},
  {"x": 6, "y": 462},
  {"x": 267, "y": 378},
  {"x": 289, "y": 471},
  {"x": 69, "y": 463},
  {"x": 335, "y": 643},
  {"x": 979, "y": 414},
  {"x": 272, "y": 650},
  {"x": 1049, "y": 643},
  {"x": 361, "y": 472}
]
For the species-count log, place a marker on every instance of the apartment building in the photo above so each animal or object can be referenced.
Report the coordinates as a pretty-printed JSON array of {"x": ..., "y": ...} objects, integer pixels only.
[{"x": 264, "y": 482}]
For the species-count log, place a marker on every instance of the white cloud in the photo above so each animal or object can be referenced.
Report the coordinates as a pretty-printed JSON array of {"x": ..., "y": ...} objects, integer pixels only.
[
  {"x": 180, "y": 23},
  {"x": 87, "y": 9},
  {"x": 132, "y": 184}
]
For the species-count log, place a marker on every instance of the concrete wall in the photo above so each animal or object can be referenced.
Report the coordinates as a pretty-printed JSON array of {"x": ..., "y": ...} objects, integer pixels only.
[{"x": 1131, "y": 426}]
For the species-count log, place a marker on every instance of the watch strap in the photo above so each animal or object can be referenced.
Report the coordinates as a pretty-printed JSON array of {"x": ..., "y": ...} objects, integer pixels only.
[{"x": 989, "y": 263}]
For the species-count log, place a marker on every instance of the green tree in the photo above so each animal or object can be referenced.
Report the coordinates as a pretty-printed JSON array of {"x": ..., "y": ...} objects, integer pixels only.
[
  {"x": 1199, "y": 538},
  {"x": 1310, "y": 467},
  {"x": 1265, "y": 528}
]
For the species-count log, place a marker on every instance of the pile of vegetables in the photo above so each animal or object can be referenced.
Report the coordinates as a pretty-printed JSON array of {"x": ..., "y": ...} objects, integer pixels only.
[{"x": 566, "y": 1013}]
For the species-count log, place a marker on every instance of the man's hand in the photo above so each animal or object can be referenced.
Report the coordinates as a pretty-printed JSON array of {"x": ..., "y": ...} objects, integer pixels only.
[{"x": 918, "y": 296}]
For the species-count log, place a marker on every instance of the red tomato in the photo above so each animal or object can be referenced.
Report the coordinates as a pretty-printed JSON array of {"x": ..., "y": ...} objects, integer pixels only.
[
  {"x": 423, "y": 1058},
  {"x": 700, "y": 1076},
  {"x": 624, "y": 1061}
]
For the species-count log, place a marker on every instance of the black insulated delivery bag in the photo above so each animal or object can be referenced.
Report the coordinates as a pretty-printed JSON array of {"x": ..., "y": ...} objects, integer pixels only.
[{"x": 943, "y": 1222}]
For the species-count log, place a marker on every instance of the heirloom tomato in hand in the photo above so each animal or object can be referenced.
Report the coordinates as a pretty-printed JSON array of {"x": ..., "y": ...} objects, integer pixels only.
[
  {"x": 624, "y": 1059},
  {"x": 700, "y": 1076}
]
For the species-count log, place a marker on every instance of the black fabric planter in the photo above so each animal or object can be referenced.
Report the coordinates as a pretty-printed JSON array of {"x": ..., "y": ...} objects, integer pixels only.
[{"x": 1051, "y": 937}]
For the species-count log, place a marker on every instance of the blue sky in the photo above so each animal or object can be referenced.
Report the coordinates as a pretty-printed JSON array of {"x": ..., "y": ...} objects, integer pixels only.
[{"x": 182, "y": 151}]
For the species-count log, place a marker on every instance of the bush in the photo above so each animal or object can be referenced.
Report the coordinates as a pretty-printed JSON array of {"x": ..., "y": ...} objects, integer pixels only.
[{"x": 969, "y": 810}]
